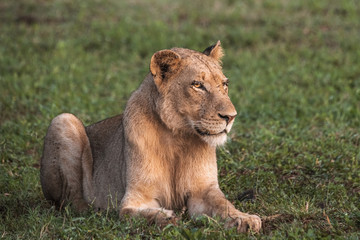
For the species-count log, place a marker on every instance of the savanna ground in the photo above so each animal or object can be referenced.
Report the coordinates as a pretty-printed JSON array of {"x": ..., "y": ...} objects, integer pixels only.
[{"x": 292, "y": 156}]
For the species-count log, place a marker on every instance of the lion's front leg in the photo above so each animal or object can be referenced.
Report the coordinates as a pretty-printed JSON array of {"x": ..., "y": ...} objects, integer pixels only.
[
  {"x": 147, "y": 208},
  {"x": 212, "y": 202}
]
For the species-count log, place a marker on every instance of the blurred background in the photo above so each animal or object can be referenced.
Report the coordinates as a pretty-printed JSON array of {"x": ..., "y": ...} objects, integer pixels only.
[{"x": 294, "y": 70}]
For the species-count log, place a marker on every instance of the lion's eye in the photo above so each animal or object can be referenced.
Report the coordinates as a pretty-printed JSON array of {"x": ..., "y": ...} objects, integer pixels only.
[
  {"x": 197, "y": 84},
  {"x": 226, "y": 84}
]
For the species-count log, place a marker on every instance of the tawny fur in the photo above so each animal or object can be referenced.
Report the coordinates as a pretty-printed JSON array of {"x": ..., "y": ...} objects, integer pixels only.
[{"x": 159, "y": 155}]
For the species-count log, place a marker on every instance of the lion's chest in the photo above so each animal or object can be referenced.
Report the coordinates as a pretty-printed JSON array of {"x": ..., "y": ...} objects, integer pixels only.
[
  {"x": 167, "y": 167},
  {"x": 185, "y": 173}
]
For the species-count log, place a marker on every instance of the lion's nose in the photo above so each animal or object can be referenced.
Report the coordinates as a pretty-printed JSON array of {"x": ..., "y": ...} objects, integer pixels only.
[{"x": 227, "y": 118}]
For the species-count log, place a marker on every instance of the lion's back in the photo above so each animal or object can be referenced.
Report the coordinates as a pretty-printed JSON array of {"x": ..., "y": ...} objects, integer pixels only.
[
  {"x": 101, "y": 133},
  {"x": 107, "y": 144}
]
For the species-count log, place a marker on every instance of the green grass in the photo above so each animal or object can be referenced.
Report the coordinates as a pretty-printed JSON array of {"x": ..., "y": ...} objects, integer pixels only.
[{"x": 294, "y": 68}]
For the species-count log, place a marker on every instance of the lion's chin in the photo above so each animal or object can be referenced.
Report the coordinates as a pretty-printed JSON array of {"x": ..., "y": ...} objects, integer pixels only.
[{"x": 215, "y": 140}]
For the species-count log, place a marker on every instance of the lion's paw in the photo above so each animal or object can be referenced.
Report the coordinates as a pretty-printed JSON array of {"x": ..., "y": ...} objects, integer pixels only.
[
  {"x": 245, "y": 223},
  {"x": 165, "y": 217}
]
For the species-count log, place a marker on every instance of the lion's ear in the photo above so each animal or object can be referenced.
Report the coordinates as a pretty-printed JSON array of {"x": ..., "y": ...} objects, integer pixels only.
[
  {"x": 215, "y": 51},
  {"x": 163, "y": 64}
]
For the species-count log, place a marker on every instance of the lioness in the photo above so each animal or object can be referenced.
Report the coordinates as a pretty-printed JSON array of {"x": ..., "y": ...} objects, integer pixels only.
[{"x": 159, "y": 154}]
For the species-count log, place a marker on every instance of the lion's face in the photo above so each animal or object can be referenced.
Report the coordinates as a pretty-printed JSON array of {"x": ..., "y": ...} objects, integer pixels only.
[{"x": 195, "y": 98}]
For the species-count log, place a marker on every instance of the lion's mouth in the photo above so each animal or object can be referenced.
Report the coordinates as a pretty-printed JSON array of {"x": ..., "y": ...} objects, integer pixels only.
[{"x": 207, "y": 133}]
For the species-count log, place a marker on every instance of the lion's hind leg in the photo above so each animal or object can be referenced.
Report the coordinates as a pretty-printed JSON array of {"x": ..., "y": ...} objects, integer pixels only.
[{"x": 66, "y": 164}]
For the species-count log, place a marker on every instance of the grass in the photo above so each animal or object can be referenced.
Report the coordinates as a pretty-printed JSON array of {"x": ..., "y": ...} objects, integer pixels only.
[{"x": 294, "y": 68}]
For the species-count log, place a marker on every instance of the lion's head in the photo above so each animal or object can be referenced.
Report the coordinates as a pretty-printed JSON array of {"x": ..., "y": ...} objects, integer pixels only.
[{"x": 193, "y": 92}]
